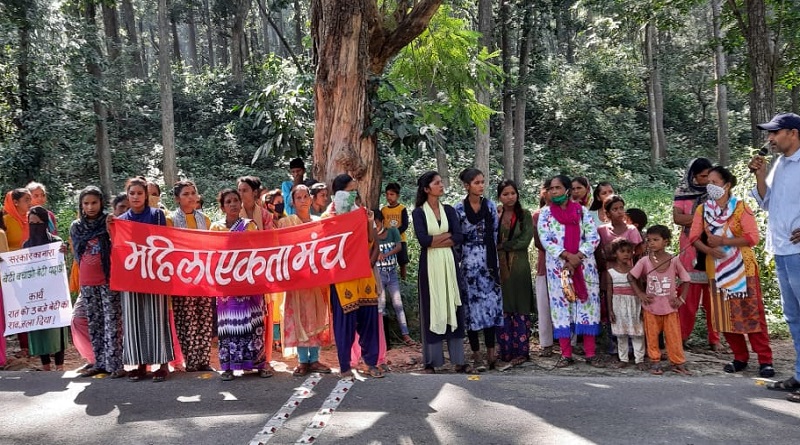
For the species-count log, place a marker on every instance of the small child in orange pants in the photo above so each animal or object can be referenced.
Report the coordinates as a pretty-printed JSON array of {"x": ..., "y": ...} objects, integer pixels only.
[{"x": 660, "y": 301}]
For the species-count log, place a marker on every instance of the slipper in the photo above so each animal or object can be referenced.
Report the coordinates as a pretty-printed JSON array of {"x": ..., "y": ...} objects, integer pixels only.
[
  {"x": 563, "y": 362},
  {"x": 794, "y": 397},
  {"x": 641, "y": 366},
  {"x": 319, "y": 367},
  {"x": 735, "y": 366},
  {"x": 93, "y": 372},
  {"x": 265, "y": 373},
  {"x": 656, "y": 370},
  {"x": 226, "y": 376},
  {"x": 428, "y": 370},
  {"x": 408, "y": 341},
  {"x": 301, "y": 370},
  {"x": 680, "y": 369},
  {"x": 790, "y": 384},
  {"x": 374, "y": 372},
  {"x": 160, "y": 375}
]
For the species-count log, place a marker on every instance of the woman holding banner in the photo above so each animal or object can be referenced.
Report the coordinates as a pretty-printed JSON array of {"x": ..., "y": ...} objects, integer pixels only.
[
  {"x": 147, "y": 336},
  {"x": 15, "y": 218},
  {"x": 240, "y": 318},
  {"x": 45, "y": 341},
  {"x": 305, "y": 312},
  {"x": 194, "y": 315}
]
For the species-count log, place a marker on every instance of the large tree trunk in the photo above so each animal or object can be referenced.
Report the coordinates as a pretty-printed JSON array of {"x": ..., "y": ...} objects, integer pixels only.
[
  {"x": 190, "y": 22},
  {"x": 351, "y": 41},
  {"x": 720, "y": 71},
  {"x": 265, "y": 28},
  {"x": 222, "y": 39},
  {"x": 129, "y": 22},
  {"x": 508, "y": 98},
  {"x": 340, "y": 35},
  {"x": 145, "y": 62},
  {"x": 209, "y": 34},
  {"x": 521, "y": 96},
  {"x": 482, "y": 95},
  {"x": 102, "y": 146},
  {"x": 165, "y": 82},
  {"x": 242, "y": 7}
]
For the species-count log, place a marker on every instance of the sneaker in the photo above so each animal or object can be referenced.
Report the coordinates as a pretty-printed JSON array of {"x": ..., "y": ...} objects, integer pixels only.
[{"x": 766, "y": 370}]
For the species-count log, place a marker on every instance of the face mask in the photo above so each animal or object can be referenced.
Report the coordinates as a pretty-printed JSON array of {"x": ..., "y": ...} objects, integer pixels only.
[
  {"x": 37, "y": 229},
  {"x": 558, "y": 200},
  {"x": 715, "y": 192},
  {"x": 279, "y": 208},
  {"x": 344, "y": 201}
]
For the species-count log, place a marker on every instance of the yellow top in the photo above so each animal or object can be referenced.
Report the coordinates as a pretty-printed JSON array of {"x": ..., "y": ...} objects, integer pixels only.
[
  {"x": 393, "y": 217},
  {"x": 13, "y": 233},
  {"x": 3, "y": 241},
  {"x": 191, "y": 223}
]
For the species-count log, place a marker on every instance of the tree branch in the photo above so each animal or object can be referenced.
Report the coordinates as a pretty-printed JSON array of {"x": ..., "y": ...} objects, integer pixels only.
[
  {"x": 739, "y": 18},
  {"x": 385, "y": 44},
  {"x": 280, "y": 36}
]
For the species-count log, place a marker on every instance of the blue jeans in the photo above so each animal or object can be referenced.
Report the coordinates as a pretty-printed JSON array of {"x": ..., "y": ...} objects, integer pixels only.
[
  {"x": 788, "y": 269},
  {"x": 391, "y": 284}
]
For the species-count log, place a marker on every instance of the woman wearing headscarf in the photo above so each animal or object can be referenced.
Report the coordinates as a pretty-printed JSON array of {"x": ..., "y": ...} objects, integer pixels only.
[
  {"x": 690, "y": 194},
  {"x": 92, "y": 245},
  {"x": 15, "y": 218},
  {"x": 45, "y": 341},
  {"x": 737, "y": 306}
]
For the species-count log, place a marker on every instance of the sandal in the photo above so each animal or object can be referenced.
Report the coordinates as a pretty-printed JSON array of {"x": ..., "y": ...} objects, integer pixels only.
[
  {"x": 374, "y": 372},
  {"x": 160, "y": 375},
  {"x": 641, "y": 366},
  {"x": 735, "y": 366},
  {"x": 680, "y": 369},
  {"x": 766, "y": 370},
  {"x": 265, "y": 373},
  {"x": 563, "y": 362},
  {"x": 301, "y": 370},
  {"x": 319, "y": 367},
  {"x": 137, "y": 374},
  {"x": 226, "y": 376},
  {"x": 347, "y": 375},
  {"x": 385, "y": 368},
  {"x": 790, "y": 384},
  {"x": 794, "y": 397},
  {"x": 428, "y": 370},
  {"x": 465, "y": 369},
  {"x": 118, "y": 374},
  {"x": 595, "y": 362},
  {"x": 547, "y": 351},
  {"x": 93, "y": 372},
  {"x": 656, "y": 369}
]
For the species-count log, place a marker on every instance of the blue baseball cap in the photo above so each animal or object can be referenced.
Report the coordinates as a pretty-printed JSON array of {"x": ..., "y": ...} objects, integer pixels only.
[{"x": 782, "y": 121}]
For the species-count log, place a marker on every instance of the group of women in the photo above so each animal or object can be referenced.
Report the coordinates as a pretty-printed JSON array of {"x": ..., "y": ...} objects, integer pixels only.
[{"x": 474, "y": 276}]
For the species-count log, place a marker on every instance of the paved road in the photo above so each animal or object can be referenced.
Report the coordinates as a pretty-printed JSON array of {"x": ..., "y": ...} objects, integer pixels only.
[{"x": 46, "y": 407}]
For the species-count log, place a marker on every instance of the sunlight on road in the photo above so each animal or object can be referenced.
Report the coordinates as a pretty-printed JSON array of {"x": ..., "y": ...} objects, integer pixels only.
[
  {"x": 778, "y": 405},
  {"x": 458, "y": 412}
]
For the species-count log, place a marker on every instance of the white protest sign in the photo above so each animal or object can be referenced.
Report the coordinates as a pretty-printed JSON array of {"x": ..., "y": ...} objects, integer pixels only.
[{"x": 35, "y": 289}]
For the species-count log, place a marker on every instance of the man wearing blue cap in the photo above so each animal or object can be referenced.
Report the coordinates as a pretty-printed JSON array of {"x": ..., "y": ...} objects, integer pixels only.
[{"x": 777, "y": 192}]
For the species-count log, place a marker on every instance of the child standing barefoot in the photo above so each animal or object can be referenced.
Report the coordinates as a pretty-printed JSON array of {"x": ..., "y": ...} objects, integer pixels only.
[
  {"x": 660, "y": 301},
  {"x": 624, "y": 309}
]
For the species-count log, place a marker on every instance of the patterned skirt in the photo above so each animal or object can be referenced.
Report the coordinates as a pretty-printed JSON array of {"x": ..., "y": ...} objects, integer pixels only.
[
  {"x": 241, "y": 333},
  {"x": 147, "y": 336}
]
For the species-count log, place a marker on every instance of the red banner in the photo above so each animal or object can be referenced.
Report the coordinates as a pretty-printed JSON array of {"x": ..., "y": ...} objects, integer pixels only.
[{"x": 164, "y": 260}]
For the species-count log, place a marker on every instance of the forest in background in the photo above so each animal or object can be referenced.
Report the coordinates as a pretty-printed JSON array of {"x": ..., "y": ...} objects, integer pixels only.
[{"x": 619, "y": 90}]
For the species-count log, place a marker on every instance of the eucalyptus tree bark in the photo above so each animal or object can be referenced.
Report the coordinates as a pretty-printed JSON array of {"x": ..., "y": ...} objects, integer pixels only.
[
  {"x": 192, "y": 26},
  {"x": 508, "y": 97},
  {"x": 102, "y": 146},
  {"x": 209, "y": 33},
  {"x": 238, "y": 51},
  {"x": 351, "y": 42},
  {"x": 721, "y": 89},
  {"x": 762, "y": 60},
  {"x": 521, "y": 94},
  {"x": 135, "y": 67},
  {"x": 482, "y": 95},
  {"x": 165, "y": 82}
]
